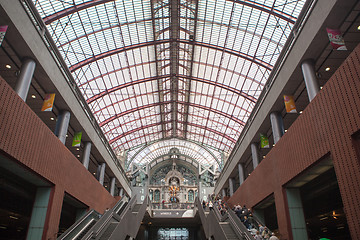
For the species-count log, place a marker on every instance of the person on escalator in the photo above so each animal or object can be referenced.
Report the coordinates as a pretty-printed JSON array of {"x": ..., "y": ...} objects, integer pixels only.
[
  {"x": 210, "y": 205},
  {"x": 273, "y": 237},
  {"x": 258, "y": 236}
]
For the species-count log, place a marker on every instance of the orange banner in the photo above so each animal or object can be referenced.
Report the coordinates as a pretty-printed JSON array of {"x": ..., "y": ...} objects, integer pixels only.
[
  {"x": 289, "y": 104},
  {"x": 48, "y": 102}
]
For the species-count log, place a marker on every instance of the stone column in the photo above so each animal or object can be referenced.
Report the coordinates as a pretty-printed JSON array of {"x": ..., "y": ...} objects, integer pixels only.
[
  {"x": 311, "y": 82},
  {"x": 112, "y": 186},
  {"x": 25, "y": 77},
  {"x": 86, "y": 154},
  {"x": 241, "y": 173},
  {"x": 255, "y": 154},
  {"x": 231, "y": 186},
  {"x": 62, "y": 124},
  {"x": 277, "y": 126},
  {"x": 101, "y": 173}
]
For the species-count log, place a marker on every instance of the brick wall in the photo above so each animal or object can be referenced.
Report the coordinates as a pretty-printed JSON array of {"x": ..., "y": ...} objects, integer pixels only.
[
  {"x": 28, "y": 141},
  {"x": 326, "y": 126}
]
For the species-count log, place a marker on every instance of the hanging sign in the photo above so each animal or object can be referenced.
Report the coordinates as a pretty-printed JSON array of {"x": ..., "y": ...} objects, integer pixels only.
[
  {"x": 264, "y": 141},
  {"x": 48, "y": 102},
  {"x": 336, "y": 40},
  {"x": 2, "y": 33},
  {"x": 289, "y": 104},
  {"x": 77, "y": 139}
]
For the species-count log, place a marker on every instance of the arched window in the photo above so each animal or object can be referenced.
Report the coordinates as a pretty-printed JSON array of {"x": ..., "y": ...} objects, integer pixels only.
[
  {"x": 191, "y": 196},
  {"x": 151, "y": 192},
  {"x": 157, "y": 196}
]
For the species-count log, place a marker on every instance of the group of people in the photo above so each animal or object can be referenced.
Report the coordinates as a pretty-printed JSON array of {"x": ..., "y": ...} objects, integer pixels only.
[
  {"x": 257, "y": 230},
  {"x": 246, "y": 217}
]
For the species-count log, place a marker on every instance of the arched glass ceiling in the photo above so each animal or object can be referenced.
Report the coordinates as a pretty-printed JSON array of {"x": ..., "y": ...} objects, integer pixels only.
[
  {"x": 164, "y": 69},
  {"x": 159, "y": 149}
]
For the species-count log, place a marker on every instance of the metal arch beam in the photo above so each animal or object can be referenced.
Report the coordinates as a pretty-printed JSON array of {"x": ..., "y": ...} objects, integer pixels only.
[
  {"x": 159, "y": 83},
  {"x": 157, "y": 42},
  {"x": 193, "y": 115},
  {"x": 180, "y": 92},
  {"x": 156, "y": 124},
  {"x": 169, "y": 102},
  {"x": 149, "y": 134},
  {"x": 146, "y": 20},
  {"x": 158, "y": 33},
  {"x": 51, "y": 18},
  {"x": 143, "y": 146},
  {"x": 266, "y": 9},
  {"x": 153, "y": 115},
  {"x": 228, "y": 88},
  {"x": 162, "y": 60},
  {"x": 178, "y": 154},
  {"x": 194, "y": 164}
]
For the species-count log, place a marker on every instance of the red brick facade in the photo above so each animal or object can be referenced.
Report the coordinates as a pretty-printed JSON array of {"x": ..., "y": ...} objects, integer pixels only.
[
  {"x": 326, "y": 126},
  {"x": 27, "y": 140}
]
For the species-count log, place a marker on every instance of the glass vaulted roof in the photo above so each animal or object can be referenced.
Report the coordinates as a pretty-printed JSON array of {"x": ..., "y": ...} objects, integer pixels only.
[{"x": 177, "y": 71}]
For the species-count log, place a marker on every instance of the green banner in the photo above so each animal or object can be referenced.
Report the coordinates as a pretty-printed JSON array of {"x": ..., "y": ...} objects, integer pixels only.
[
  {"x": 77, "y": 139},
  {"x": 264, "y": 141}
]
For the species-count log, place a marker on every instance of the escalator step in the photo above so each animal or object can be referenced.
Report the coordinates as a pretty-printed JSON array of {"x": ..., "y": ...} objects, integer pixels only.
[{"x": 109, "y": 230}]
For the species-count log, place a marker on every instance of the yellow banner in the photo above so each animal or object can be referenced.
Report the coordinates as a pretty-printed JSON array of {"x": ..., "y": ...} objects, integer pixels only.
[
  {"x": 289, "y": 104},
  {"x": 48, "y": 102}
]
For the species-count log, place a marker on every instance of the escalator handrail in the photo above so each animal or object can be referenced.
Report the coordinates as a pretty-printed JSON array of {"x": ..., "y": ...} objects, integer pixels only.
[
  {"x": 128, "y": 217},
  {"x": 102, "y": 222},
  {"x": 107, "y": 217},
  {"x": 257, "y": 220},
  {"x": 202, "y": 216},
  {"x": 238, "y": 226},
  {"x": 77, "y": 223},
  {"x": 119, "y": 204}
]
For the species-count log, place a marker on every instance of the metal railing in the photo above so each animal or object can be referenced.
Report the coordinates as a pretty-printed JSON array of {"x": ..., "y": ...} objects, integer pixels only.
[
  {"x": 172, "y": 205},
  {"x": 77, "y": 228}
]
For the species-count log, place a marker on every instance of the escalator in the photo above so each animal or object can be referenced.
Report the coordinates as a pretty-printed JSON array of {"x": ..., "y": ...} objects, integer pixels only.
[
  {"x": 217, "y": 226},
  {"x": 85, "y": 226}
]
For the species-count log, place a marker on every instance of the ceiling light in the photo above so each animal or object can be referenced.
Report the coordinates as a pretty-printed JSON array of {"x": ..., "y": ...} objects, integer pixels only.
[
  {"x": 285, "y": 130},
  {"x": 358, "y": 27},
  {"x": 300, "y": 112},
  {"x": 327, "y": 69},
  {"x": 52, "y": 119},
  {"x": 67, "y": 135},
  {"x": 8, "y": 66},
  {"x": 33, "y": 96},
  {"x": 263, "y": 156},
  {"x": 321, "y": 87},
  {"x": 77, "y": 149},
  {"x": 94, "y": 173},
  {"x": 13, "y": 217},
  {"x": 273, "y": 145},
  {"x": 105, "y": 186},
  {"x": 78, "y": 155}
]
